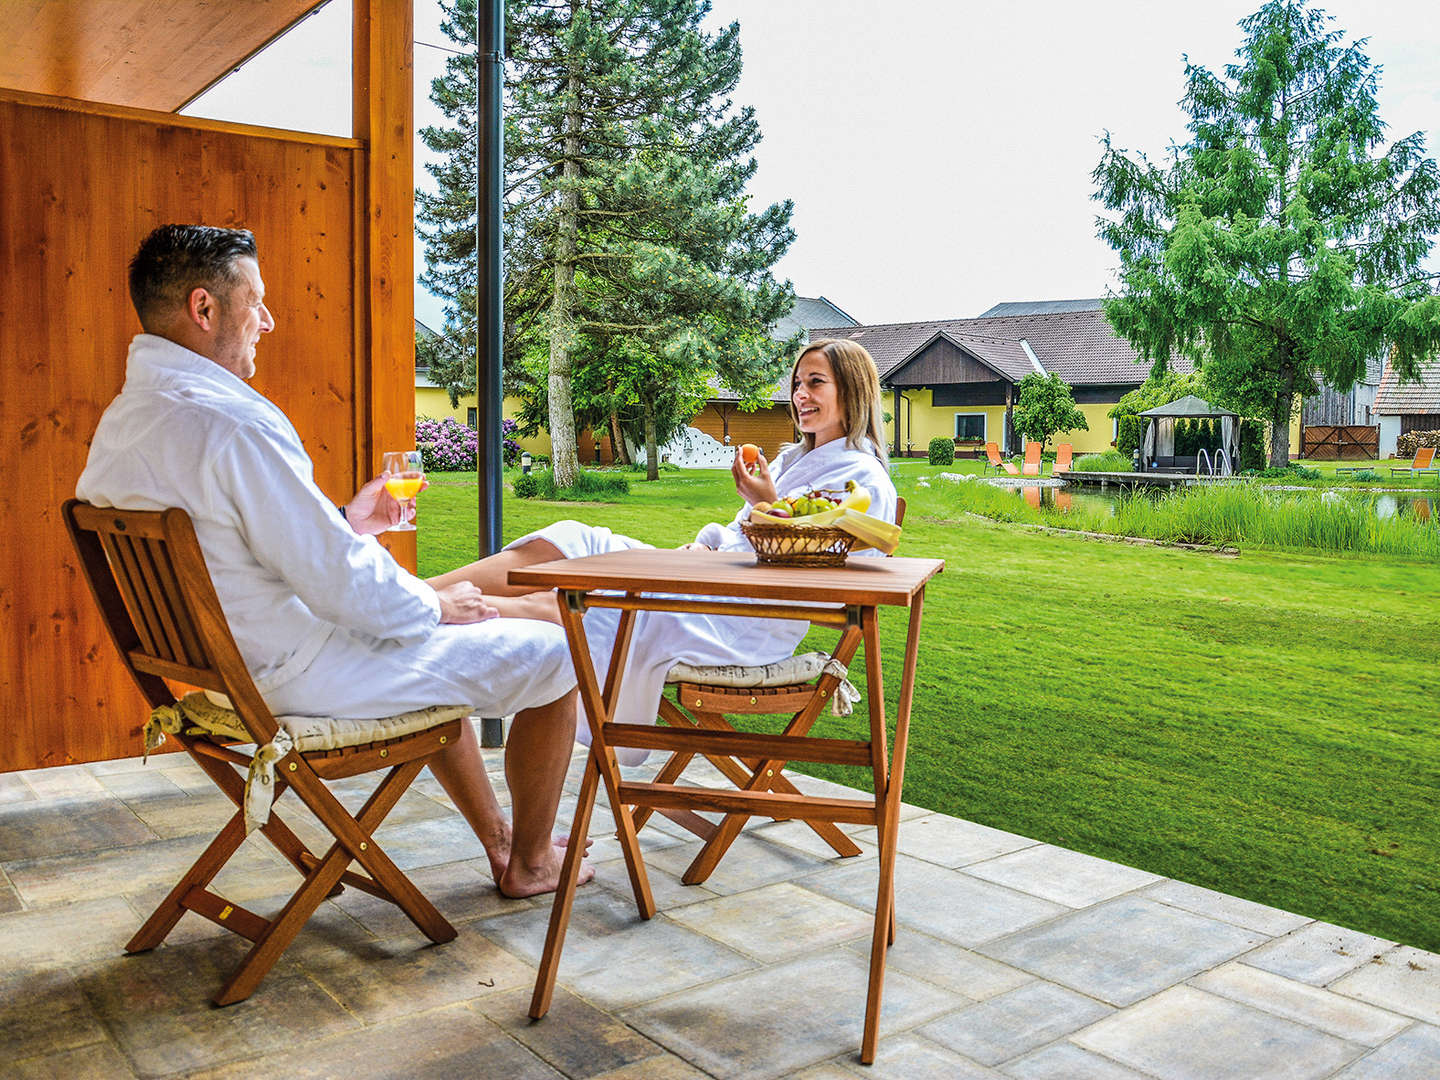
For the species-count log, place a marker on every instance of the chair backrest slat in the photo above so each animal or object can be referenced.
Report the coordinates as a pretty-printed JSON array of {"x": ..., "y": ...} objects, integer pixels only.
[
  {"x": 122, "y": 565},
  {"x": 162, "y": 601},
  {"x": 191, "y": 646}
]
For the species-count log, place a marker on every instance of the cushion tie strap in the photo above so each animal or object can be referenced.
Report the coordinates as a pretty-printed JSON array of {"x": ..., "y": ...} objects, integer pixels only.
[
  {"x": 842, "y": 702},
  {"x": 260, "y": 784},
  {"x": 163, "y": 718}
]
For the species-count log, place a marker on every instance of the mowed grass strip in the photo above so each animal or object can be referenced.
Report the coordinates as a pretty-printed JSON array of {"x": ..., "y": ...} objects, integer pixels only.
[{"x": 1261, "y": 725}]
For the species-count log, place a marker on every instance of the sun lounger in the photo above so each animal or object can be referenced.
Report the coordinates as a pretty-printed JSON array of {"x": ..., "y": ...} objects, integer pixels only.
[
  {"x": 1064, "y": 454},
  {"x": 1032, "y": 460},
  {"x": 1421, "y": 465},
  {"x": 994, "y": 461}
]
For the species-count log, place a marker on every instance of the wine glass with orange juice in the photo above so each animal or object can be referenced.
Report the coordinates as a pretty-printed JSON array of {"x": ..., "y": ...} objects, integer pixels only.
[{"x": 404, "y": 477}]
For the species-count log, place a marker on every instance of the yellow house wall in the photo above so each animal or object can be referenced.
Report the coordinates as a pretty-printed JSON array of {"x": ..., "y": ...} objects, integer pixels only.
[
  {"x": 926, "y": 421},
  {"x": 434, "y": 402}
]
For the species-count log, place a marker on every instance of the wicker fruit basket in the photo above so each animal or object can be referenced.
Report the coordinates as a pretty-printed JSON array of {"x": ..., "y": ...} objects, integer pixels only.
[{"x": 798, "y": 545}]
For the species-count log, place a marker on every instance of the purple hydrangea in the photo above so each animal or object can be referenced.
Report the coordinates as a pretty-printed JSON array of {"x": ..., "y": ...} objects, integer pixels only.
[{"x": 450, "y": 446}]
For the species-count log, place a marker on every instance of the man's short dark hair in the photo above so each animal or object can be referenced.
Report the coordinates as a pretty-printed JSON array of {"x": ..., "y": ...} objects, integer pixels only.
[{"x": 174, "y": 259}]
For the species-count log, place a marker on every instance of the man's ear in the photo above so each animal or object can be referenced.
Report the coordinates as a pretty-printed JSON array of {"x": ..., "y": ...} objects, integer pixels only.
[{"x": 201, "y": 307}]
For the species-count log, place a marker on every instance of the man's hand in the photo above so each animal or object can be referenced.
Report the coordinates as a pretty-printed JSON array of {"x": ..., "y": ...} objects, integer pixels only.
[
  {"x": 373, "y": 509},
  {"x": 463, "y": 602},
  {"x": 757, "y": 488}
]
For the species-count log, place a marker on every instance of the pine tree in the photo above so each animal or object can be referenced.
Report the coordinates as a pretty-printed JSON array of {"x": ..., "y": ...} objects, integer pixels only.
[
  {"x": 1279, "y": 243},
  {"x": 635, "y": 271}
]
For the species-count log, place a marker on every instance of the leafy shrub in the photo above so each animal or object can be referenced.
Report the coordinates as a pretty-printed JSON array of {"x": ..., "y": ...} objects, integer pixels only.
[
  {"x": 526, "y": 485},
  {"x": 589, "y": 487},
  {"x": 1252, "y": 445},
  {"x": 942, "y": 451},
  {"x": 1303, "y": 472},
  {"x": 1407, "y": 444},
  {"x": 1367, "y": 474}
]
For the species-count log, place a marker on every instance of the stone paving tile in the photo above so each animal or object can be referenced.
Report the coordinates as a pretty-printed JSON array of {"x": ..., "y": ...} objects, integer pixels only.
[
  {"x": 750, "y": 863},
  {"x": 185, "y": 774},
  {"x": 951, "y": 842},
  {"x": 776, "y": 921},
  {"x": 1318, "y": 953},
  {"x": 184, "y": 814},
  {"x": 92, "y": 875},
  {"x": 98, "y": 1061},
  {"x": 1123, "y": 950},
  {"x": 1404, "y": 980},
  {"x": 382, "y": 980},
  {"x": 9, "y": 898},
  {"x": 828, "y": 1070},
  {"x": 65, "y": 934},
  {"x": 139, "y": 786},
  {"x": 1330, "y": 1012},
  {"x": 121, "y": 765},
  {"x": 1066, "y": 877},
  {"x": 612, "y": 957},
  {"x": 1066, "y": 1061},
  {"x": 958, "y": 970},
  {"x": 773, "y": 1021},
  {"x": 665, "y": 887},
  {"x": 573, "y": 1037},
  {"x": 462, "y": 891},
  {"x": 442, "y": 1044},
  {"x": 1008, "y": 1025},
  {"x": 62, "y": 826},
  {"x": 13, "y": 789},
  {"x": 1231, "y": 909},
  {"x": 1186, "y": 1034},
  {"x": 43, "y": 1012},
  {"x": 909, "y": 1057},
  {"x": 799, "y": 835},
  {"x": 944, "y": 903},
  {"x": 62, "y": 781},
  {"x": 666, "y": 1067},
  {"x": 1411, "y": 1054},
  {"x": 157, "y": 1008},
  {"x": 429, "y": 843}
]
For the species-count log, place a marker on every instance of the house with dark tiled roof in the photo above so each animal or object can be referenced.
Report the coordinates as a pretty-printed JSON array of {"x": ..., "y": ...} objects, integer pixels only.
[
  {"x": 959, "y": 378},
  {"x": 1402, "y": 407}
]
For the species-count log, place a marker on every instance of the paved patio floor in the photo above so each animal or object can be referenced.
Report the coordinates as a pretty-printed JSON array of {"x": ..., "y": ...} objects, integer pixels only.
[{"x": 1013, "y": 959}]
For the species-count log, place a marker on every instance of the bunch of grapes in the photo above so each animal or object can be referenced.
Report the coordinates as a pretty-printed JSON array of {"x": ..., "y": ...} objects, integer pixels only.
[{"x": 812, "y": 502}]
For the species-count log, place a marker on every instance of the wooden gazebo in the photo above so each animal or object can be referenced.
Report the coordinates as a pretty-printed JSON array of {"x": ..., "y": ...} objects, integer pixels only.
[{"x": 92, "y": 156}]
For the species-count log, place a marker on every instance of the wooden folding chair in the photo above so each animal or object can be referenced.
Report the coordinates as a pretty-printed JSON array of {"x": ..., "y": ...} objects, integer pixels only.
[
  {"x": 705, "y": 705},
  {"x": 148, "y": 576}
]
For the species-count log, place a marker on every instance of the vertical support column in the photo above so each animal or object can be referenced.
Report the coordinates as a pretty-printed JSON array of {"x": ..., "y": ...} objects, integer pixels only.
[
  {"x": 489, "y": 290},
  {"x": 383, "y": 118}
]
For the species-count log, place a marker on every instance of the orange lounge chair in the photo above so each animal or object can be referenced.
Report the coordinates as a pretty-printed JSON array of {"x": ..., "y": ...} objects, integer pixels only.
[
  {"x": 1423, "y": 458},
  {"x": 1032, "y": 459},
  {"x": 996, "y": 462},
  {"x": 1064, "y": 453}
]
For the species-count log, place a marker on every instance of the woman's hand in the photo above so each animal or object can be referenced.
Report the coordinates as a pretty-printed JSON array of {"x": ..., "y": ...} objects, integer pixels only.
[{"x": 753, "y": 488}]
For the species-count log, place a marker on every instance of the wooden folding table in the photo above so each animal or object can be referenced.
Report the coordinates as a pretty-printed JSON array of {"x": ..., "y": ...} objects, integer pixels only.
[{"x": 731, "y": 583}]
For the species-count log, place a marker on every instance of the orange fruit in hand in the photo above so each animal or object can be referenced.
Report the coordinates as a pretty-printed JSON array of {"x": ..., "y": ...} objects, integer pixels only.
[{"x": 749, "y": 453}]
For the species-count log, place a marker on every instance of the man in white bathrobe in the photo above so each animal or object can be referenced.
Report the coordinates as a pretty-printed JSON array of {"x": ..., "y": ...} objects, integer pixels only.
[{"x": 327, "y": 622}]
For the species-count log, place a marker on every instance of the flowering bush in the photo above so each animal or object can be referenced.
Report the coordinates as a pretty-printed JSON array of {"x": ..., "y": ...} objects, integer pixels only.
[
  {"x": 508, "y": 446},
  {"x": 446, "y": 444}
]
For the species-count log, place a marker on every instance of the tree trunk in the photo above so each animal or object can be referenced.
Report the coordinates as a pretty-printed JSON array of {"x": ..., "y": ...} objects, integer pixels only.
[
  {"x": 618, "y": 449},
  {"x": 1280, "y": 420},
  {"x": 652, "y": 452},
  {"x": 563, "y": 458}
]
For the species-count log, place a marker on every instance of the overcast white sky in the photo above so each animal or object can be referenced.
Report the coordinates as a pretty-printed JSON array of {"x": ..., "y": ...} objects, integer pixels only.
[{"x": 938, "y": 153}]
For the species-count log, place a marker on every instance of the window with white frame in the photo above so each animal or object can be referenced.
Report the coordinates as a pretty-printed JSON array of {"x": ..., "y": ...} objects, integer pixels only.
[{"x": 970, "y": 427}]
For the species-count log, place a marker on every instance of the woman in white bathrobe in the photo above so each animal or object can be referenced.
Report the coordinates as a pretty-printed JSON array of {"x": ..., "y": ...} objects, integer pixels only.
[{"x": 835, "y": 403}]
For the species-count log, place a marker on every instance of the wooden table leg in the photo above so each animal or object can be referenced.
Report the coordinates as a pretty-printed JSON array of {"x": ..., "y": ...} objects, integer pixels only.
[{"x": 889, "y": 812}]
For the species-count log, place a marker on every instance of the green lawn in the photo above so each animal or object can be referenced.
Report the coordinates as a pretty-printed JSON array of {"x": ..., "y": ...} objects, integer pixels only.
[{"x": 1262, "y": 725}]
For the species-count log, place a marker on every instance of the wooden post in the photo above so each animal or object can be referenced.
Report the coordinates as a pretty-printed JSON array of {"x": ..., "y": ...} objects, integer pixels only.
[{"x": 384, "y": 121}]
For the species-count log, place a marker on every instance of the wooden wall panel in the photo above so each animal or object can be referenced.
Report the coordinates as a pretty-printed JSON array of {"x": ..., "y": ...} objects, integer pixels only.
[
  {"x": 80, "y": 191},
  {"x": 768, "y": 427}
]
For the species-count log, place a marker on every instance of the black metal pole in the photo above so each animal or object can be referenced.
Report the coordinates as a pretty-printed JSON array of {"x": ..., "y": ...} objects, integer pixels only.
[
  {"x": 489, "y": 288},
  {"x": 489, "y": 284}
]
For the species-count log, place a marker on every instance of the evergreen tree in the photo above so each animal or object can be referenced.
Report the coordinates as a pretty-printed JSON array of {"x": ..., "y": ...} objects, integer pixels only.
[
  {"x": 1279, "y": 243},
  {"x": 634, "y": 269}
]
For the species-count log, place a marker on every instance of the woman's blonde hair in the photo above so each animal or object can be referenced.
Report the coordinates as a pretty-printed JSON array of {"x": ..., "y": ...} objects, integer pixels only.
[{"x": 858, "y": 383}]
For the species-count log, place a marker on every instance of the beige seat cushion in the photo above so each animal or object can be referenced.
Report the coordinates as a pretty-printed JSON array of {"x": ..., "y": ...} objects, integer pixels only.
[
  {"x": 211, "y": 712},
  {"x": 793, "y": 670}
]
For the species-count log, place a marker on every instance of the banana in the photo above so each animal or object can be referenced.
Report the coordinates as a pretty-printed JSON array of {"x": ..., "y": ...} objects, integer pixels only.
[
  {"x": 870, "y": 531},
  {"x": 857, "y": 497}
]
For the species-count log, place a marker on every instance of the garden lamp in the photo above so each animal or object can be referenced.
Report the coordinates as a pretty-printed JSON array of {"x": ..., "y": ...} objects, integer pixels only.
[{"x": 525, "y": 462}]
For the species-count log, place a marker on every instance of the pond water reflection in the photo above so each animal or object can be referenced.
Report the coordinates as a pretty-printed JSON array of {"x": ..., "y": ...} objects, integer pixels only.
[{"x": 1073, "y": 498}]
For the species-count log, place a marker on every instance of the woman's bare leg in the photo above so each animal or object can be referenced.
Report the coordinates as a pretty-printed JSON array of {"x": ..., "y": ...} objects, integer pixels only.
[{"x": 491, "y": 572}]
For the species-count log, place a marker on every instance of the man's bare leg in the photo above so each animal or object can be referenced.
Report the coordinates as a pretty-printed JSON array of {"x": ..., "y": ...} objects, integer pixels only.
[
  {"x": 536, "y": 759},
  {"x": 491, "y": 572},
  {"x": 461, "y": 772}
]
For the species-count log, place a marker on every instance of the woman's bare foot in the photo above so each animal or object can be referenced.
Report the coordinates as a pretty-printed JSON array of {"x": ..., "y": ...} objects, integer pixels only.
[{"x": 519, "y": 880}]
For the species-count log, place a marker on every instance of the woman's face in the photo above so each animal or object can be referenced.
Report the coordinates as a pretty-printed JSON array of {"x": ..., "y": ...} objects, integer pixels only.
[{"x": 817, "y": 398}]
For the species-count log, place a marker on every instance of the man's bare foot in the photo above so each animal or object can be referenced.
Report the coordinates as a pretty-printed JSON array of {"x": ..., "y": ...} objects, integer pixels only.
[
  {"x": 520, "y": 880},
  {"x": 563, "y": 841}
]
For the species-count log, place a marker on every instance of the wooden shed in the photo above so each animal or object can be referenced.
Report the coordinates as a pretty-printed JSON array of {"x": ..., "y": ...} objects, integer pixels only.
[{"x": 92, "y": 157}]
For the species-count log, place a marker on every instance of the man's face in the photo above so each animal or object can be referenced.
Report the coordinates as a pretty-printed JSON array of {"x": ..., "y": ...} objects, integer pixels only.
[{"x": 243, "y": 317}]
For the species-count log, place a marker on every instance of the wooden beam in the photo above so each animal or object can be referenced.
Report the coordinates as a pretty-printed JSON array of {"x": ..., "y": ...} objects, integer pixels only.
[{"x": 384, "y": 121}]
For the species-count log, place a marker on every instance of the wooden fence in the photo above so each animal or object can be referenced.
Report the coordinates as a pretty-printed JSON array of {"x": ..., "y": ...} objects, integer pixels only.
[{"x": 1340, "y": 443}]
